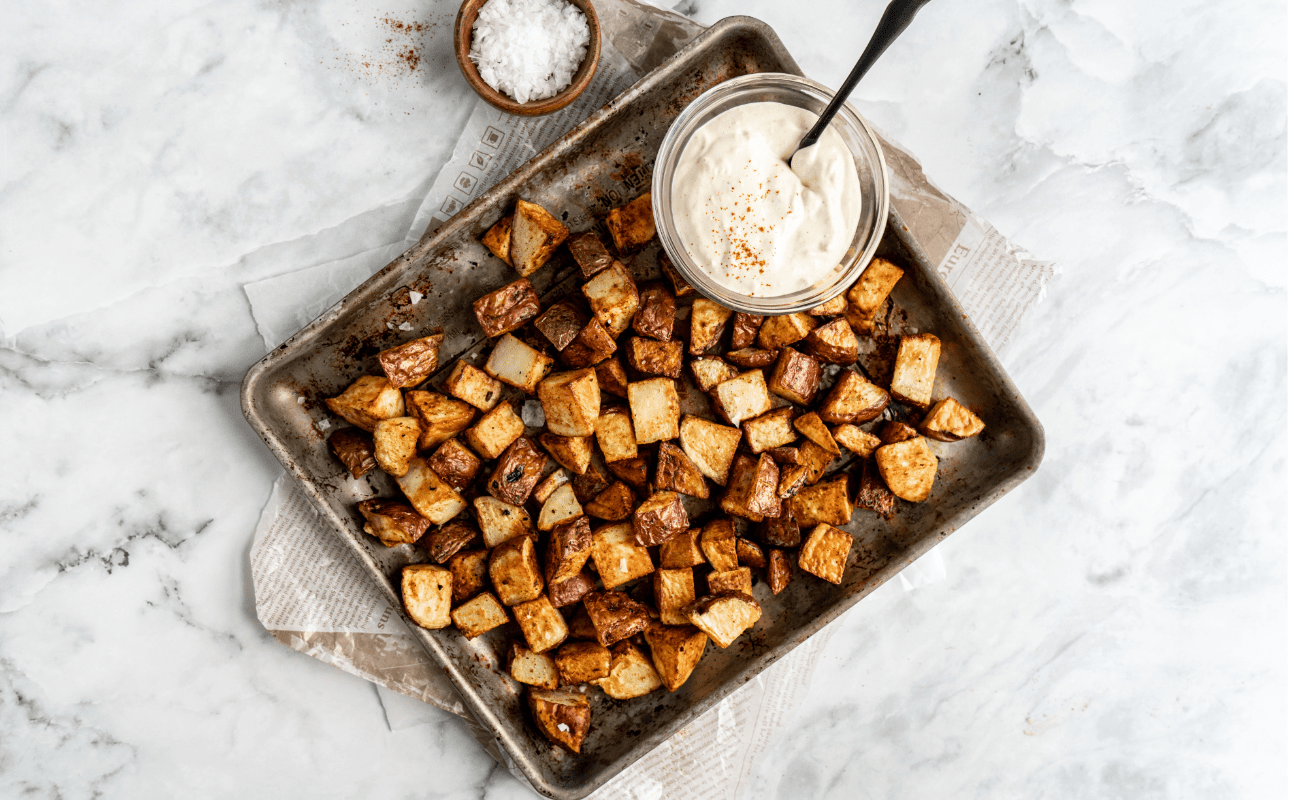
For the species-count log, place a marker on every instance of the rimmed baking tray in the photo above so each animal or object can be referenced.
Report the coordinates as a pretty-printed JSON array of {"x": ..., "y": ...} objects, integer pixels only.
[{"x": 604, "y": 162}]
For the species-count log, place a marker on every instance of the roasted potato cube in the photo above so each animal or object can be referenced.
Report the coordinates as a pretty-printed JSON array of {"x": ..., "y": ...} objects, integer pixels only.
[
  {"x": 908, "y": 468},
  {"x": 455, "y": 464},
  {"x": 517, "y": 364},
  {"x": 826, "y": 502},
  {"x": 674, "y": 590},
  {"x": 831, "y": 308},
  {"x": 675, "y": 650},
  {"x": 676, "y": 473},
  {"x": 591, "y": 483},
  {"x": 354, "y": 449},
  {"x": 411, "y": 362},
  {"x": 811, "y": 425},
  {"x": 750, "y": 555},
  {"x": 431, "y": 495},
  {"x": 632, "y": 225},
  {"x": 615, "y": 616},
  {"x": 796, "y": 377},
  {"x": 611, "y": 377},
  {"x": 561, "y": 323},
  {"x": 547, "y": 486},
  {"x": 762, "y": 499},
  {"x": 566, "y": 593},
  {"x": 785, "y": 456},
  {"x": 617, "y": 556},
  {"x": 614, "y": 503},
  {"x": 770, "y": 430},
  {"x": 710, "y": 371},
  {"x": 680, "y": 287},
  {"x": 710, "y": 446},
  {"x": 367, "y": 401},
  {"x": 480, "y": 615},
  {"x": 631, "y": 673},
  {"x": 682, "y": 551},
  {"x": 724, "y": 617},
  {"x": 426, "y": 595},
  {"x": 744, "y": 330},
  {"x": 543, "y": 626},
  {"x": 568, "y": 550},
  {"x": 949, "y": 421},
  {"x": 501, "y": 522},
  {"x": 853, "y": 400},
  {"x": 825, "y": 552},
  {"x": 441, "y": 417},
  {"x": 517, "y": 472},
  {"x": 561, "y": 507},
  {"x": 631, "y": 470},
  {"x": 593, "y": 345},
  {"x": 514, "y": 571},
  {"x": 562, "y": 717},
  {"x": 572, "y": 452},
  {"x": 834, "y": 343},
  {"x": 444, "y": 542},
  {"x": 816, "y": 458},
  {"x": 718, "y": 543},
  {"x": 571, "y": 402},
  {"x": 658, "y": 311},
  {"x": 469, "y": 574},
  {"x": 496, "y": 431},
  {"x": 614, "y": 434},
  {"x": 743, "y": 397},
  {"x": 497, "y": 238},
  {"x": 786, "y": 329},
  {"x": 534, "y": 236},
  {"x": 508, "y": 308},
  {"x": 613, "y": 297},
  {"x": 782, "y": 530},
  {"x": 582, "y": 662},
  {"x": 532, "y": 669},
  {"x": 893, "y": 432},
  {"x": 707, "y": 322},
  {"x": 659, "y": 518},
  {"x": 735, "y": 580},
  {"x": 743, "y": 472},
  {"x": 653, "y": 357},
  {"x": 590, "y": 253},
  {"x": 856, "y": 440},
  {"x": 654, "y": 409},
  {"x": 752, "y": 358},
  {"x": 392, "y": 522},
  {"x": 471, "y": 384},
  {"x": 871, "y": 290},
  {"x": 915, "y": 368},
  {"x": 873, "y": 494},
  {"x": 779, "y": 571},
  {"x": 793, "y": 478}
]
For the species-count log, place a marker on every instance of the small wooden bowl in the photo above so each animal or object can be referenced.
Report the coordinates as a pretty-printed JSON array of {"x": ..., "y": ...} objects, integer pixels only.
[{"x": 464, "y": 31}]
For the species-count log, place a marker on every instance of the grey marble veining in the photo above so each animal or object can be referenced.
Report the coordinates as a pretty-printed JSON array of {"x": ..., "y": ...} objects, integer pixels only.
[{"x": 1112, "y": 629}]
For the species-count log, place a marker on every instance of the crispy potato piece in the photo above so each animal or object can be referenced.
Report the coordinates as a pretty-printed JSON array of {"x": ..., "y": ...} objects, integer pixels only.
[
  {"x": 811, "y": 425},
  {"x": 785, "y": 456},
  {"x": 915, "y": 368},
  {"x": 743, "y": 397},
  {"x": 568, "y": 550},
  {"x": 431, "y": 495},
  {"x": 591, "y": 483},
  {"x": 614, "y": 434},
  {"x": 632, "y": 225},
  {"x": 632, "y": 470},
  {"x": 469, "y": 574},
  {"x": 392, "y": 522},
  {"x": 497, "y": 238},
  {"x": 834, "y": 343},
  {"x": 793, "y": 478},
  {"x": 590, "y": 253},
  {"x": 682, "y": 551},
  {"x": 517, "y": 364},
  {"x": 710, "y": 371},
  {"x": 871, "y": 290},
  {"x": 441, "y": 417},
  {"x": 571, "y": 402},
  {"x": 724, "y": 617},
  {"x": 853, "y": 400},
  {"x": 654, "y": 357},
  {"x": 593, "y": 345},
  {"x": 831, "y": 308},
  {"x": 613, "y": 297},
  {"x": 680, "y": 287},
  {"x": 496, "y": 431},
  {"x": 743, "y": 472},
  {"x": 367, "y": 401},
  {"x": 471, "y": 384},
  {"x": 615, "y": 616},
  {"x": 750, "y": 555},
  {"x": 675, "y": 651},
  {"x": 547, "y": 486},
  {"x": 566, "y": 593},
  {"x": 582, "y": 662},
  {"x": 532, "y": 669},
  {"x": 770, "y": 430},
  {"x": 744, "y": 329},
  {"x": 500, "y": 521},
  {"x": 617, "y": 556},
  {"x": 825, "y": 552},
  {"x": 562, "y": 717},
  {"x": 631, "y": 674},
  {"x": 859, "y": 323},
  {"x": 718, "y": 543},
  {"x": 782, "y": 530},
  {"x": 514, "y": 571},
  {"x": 659, "y": 518},
  {"x": 507, "y": 309},
  {"x": 517, "y": 472},
  {"x": 893, "y": 432},
  {"x": 572, "y": 452},
  {"x": 455, "y": 464},
  {"x": 751, "y": 358},
  {"x": 544, "y": 628},
  {"x": 676, "y": 473},
  {"x": 354, "y": 449},
  {"x": 534, "y": 235},
  {"x": 409, "y": 363},
  {"x": 426, "y": 595},
  {"x": 873, "y": 494},
  {"x": 444, "y": 542},
  {"x": 908, "y": 468},
  {"x": 826, "y": 502},
  {"x": 479, "y": 615},
  {"x": 560, "y": 508},
  {"x": 735, "y": 580},
  {"x": 707, "y": 322},
  {"x": 856, "y": 440},
  {"x": 779, "y": 571},
  {"x": 710, "y": 446},
  {"x": 674, "y": 590},
  {"x": 762, "y": 499},
  {"x": 561, "y": 323},
  {"x": 614, "y": 503},
  {"x": 796, "y": 377},
  {"x": 655, "y": 318},
  {"x": 815, "y": 458},
  {"x": 611, "y": 377},
  {"x": 949, "y": 421},
  {"x": 654, "y": 409},
  {"x": 786, "y": 329}
]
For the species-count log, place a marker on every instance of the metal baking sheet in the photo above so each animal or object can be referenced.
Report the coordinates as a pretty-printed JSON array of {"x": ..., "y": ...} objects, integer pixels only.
[{"x": 602, "y": 163}]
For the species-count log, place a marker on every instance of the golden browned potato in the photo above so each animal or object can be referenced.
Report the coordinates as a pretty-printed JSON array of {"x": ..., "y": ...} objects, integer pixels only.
[
  {"x": 750, "y": 555},
  {"x": 617, "y": 556},
  {"x": 632, "y": 225},
  {"x": 915, "y": 368},
  {"x": 786, "y": 329},
  {"x": 455, "y": 464},
  {"x": 613, "y": 297},
  {"x": 560, "y": 507},
  {"x": 654, "y": 357},
  {"x": 811, "y": 425},
  {"x": 725, "y": 616},
  {"x": 631, "y": 673},
  {"x": 354, "y": 449},
  {"x": 751, "y": 358},
  {"x": 831, "y": 308},
  {"x": 517, "y": 472},
  {"x": 471, "y": 384},
  {"x": 632, "y": 470},
  {"x": 590, "y": 253},
  {"x": 894, "y": 431},
  {"x": 793, "y": 478},
  {"x": 655, "y": 318},
  {"x": 707, "y": 321},
  {"x": 532, "y": 669},
  {"x": 517, "y": 364},
  {"x": 834, "y": 343},
  {"x": 762, "y": 499},
  {"x": 611, "y": 377},
  {"x": 856, "y": 440},
  {"x": 544, "y": 628},
  {"x": 908, "y": 468},
  {"x": 469, "y": 574},
  {"x": 444, "y": 542},
  {"x": 392, "y": 522},
  {"x": 675, "y": 651},
  {"x": 497, "y": 238},
  {"x": 614, "y": 434},
  {"x": 736, "y": 580},
  {"x": 367, "y": 401},
  {"x": 479, "y": 615},
  {"x": 816, "y": 458},
  {"x": 826, "y": 502},
  {"x": 582, "y": 662},
  {"x": 593, "y": 345},
  {"x": 796, "y": 377},
  {"x": 739, "y": 487},
  {"x": 568, "y": 550},
  {"x": 571, "y": 402},
  {"x": 614, "y": 503},
  {"x": 781, "y": 531},
  {"x": 680, "y": 287},
  {"x": 501, "y": 522},
  {"x": 514, "y": 571},
  {"x": 508, "y": 308},
  {"x": 615, "y": 616},
  {"x": 676, "y": 473},
  {"x": 566, "y": 593},
  {"x": 426, "y": 595},
  {"x": 562, "y": 717},
  {"x": 411, "y": 362},
  {"x": 873, "y": 494},
  {"x": 949, "y": 421},
  {"x": 561, "y": 323},
  {"x": 869, "y": 293},
  {"x": 496, "y": 431},
  {"x": 655, "y": 409},
  {"x": 429, "y": 494},
  {"x": 710, "y": 446},
  {"x": 779, "y": 571},
  {"x": 572, "y": 452},
  {"x": 825, "y": 552},
  {"x": 547, "y": 486},
  {"x": 744, "y": 329},
  {"x": 674, "y": 590},
  {"x": 770, "y": 430},
  {"x": 709, "y": 371},
  {"x": 743, "y": 397},
  {"x": 718, "y": 543},
  {"x": 534, "y": 236},
  {"x": 682, "y": 551},
  {"x": 853, "y": 400},
  {"x": 441, "y": 417},
  {"x": 659, "y": 518}
]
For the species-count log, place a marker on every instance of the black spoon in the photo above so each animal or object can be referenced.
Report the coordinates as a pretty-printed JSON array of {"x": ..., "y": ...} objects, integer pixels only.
[{"x": 898, "y": 15}]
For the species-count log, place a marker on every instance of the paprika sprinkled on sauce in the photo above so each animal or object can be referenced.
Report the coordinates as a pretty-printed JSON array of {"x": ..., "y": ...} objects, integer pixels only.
[{"x": 754, "y": 224}]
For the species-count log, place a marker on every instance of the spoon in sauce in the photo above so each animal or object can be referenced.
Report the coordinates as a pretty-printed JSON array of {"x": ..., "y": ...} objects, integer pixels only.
[{"x": 898, "y": 15}]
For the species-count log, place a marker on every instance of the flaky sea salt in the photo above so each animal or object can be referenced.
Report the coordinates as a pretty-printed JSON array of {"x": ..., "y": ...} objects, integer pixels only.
[{"x": 529, "y": 49}]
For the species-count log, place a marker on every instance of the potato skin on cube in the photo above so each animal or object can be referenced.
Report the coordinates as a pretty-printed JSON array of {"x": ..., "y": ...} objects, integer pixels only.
[
  {"x": 590, "y": 254},
  {"x": 893, "y": 432},
  {"x": 534, "y": 235},
  {"x": 915, "y": 368},
  {"x": 561, "y": 323},
  {"x": 675, "y": 650},
  {"x": 517, "y": 472},
  {"x": 426, "y": 595},
  {"x": 655, "y": 318},
  {"x": 455, "y": 464},
  {"x": 611, "y": 377},
  {"x": 853, "y": 400},
  {"x": 782, "y": 530},
  {"x": 779, "y": 571},
  {"x": 654, "y": 408},
  {"x": 908, "y": 468},
  {"x": 615, "y": 502},
  {"x": 367, "y": 401},
  {"x": 410, "y": 363},
  {"x": 508, "y": 308},
  {"x": 479, "y": 615},
  {"x": 566, "y": 593},
  {"x": 725, "y": 616},
  {"x": 870, "y": 292},
  {"x": 682, "y": 551},
  {"x": 796, "y": 377},
  {"x": 593, "y": 345},
  {"x": 680, "y": 287},
  {"x": 354, "y": 449},
  {"x": 750, "y": 555},
  {"x": 762, "y": 499},
  {"x": 735, "y": 580},
  {"x": 571, "y": 402},
  {"x": 751, "y": 358},
  {"x": 744, "y": 329},
  {"x": 676, "y": 473},
  {"x": 469, "y": 574},
  {"x": 707, "y": 322},
  {"x": 447, "y": 540},
  {"x": 514, "y": 571},
  {"x": 392, "y": 522},
  {"x": 659, "y": 518},
  {"x": 568, "y": 550},
  {"x": 873, "y": 494},
  {"x": 825, "y": 553},
  {"x": 563, "y": 717},
  {"x": 615, "y": 616},
  {"x": 632, "y": 225},
  {"x": 835, "y": 343},
  {"x": 744, "y": 471},
  {"x": 950, "y": 421},
  {"x": 497, "y": 238}
]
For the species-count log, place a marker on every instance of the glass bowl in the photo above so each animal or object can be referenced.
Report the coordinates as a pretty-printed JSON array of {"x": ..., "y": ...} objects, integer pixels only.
[{"x": 872, "y": 177}]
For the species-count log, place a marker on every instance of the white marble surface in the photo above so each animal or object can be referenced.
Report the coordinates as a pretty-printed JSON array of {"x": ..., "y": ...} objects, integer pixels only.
[{"x": 1113, "y": 628}]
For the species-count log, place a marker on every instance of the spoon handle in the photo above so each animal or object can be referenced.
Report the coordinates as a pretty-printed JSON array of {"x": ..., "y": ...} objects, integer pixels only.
[{"x": 898, "y": 15}]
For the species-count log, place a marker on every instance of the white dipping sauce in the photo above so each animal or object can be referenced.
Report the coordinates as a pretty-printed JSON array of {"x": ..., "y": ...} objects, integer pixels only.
[{"x": 749, "y": 221}]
